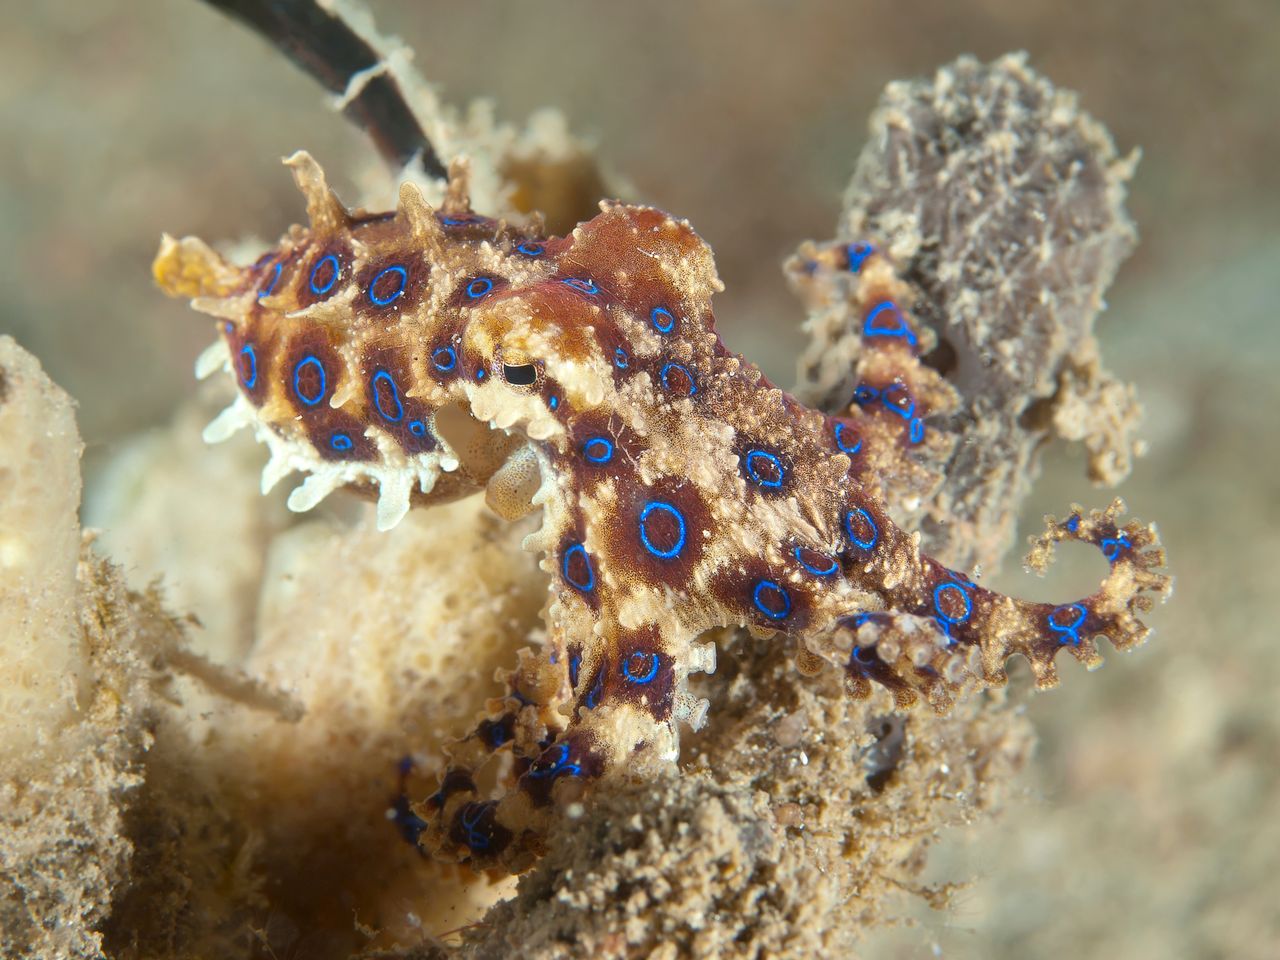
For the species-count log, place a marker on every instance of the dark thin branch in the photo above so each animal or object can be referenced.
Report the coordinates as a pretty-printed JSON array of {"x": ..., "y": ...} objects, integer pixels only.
[{"x": 325, "y": 46}]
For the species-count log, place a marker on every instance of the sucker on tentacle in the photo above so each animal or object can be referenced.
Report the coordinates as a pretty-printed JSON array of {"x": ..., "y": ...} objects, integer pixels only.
[{"x": 418, "y": 355}]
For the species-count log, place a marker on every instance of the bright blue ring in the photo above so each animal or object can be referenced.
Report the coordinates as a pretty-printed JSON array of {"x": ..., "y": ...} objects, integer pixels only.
[
  {"x": 341, "y": 442},
  {"x": 486, "y": 285},
  {"x": 658, "y": 312},
  {"x": 404, "y": 279},
  {"x": 855, "y": 656},
  {"x": 297, "y": 386},
  {"x": 905, "y": 414},
  {"x": 840, "y": 430},
  {"x": 902, "y": 330},
  {"x": 857, "y": 254},
  {"x": 771, "y": 614},
  {"x": 582, "y": 286},
  {"x": 250, "y": 381},
  {"x": 553, "y": 402},
  {"x": 1070, "y": 632},
  {"x": 662, "y": 505},
  {"x": 937, "y": 602},
  {"x": 916, "y": 432},
  {"x": 337, "y": 269},
  {"x": 812, "y": 569},
  {"x": 1111, "y": 547},
  {"x": 275, "y": 278},
  {"x": 590, "y": 585},
  {"x": 417, "y": 428},
  {"x": 561, "y": 765},
  {"x": 604, "y": 457},
  {"x": 853, "y": 537},
  {"x": 1074, "y": 523},
  {"x": 655, "y": 663},
  {"x": 395, "y": 395},
  {"x": 620, "y": 358},
  {"x": 864, "y": 394},
  {"x": 448, "y": 352},
  {"x": 530, "y": 249},
  {"x": 457, "y": 221},
  {"x": 665, "y": 371},
  {"x": 593, "y": 695},
  {"x": 1081, "y": 613},
  {"x": 761, "y": 481},
  {"x": 475, "y": 841}
]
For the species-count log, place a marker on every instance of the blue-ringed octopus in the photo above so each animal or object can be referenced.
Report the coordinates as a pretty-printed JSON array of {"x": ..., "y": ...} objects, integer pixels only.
[{"x": 419, "y": 355}]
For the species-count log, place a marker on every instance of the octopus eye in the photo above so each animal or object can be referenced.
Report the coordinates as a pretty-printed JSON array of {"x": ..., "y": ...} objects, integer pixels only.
[{"x": 520, "y": 375}]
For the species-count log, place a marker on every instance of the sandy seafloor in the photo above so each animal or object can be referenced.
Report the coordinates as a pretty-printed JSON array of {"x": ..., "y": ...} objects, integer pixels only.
[{"x": 1147, "y": 825}]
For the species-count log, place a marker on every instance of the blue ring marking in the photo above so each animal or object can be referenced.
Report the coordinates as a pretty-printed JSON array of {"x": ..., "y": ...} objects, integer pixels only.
[
  {"x": 641, "y": 676},
  {"x": 383, "y": 376},
  {"x": 760, "y": 588},
  {"x": 658, "y": 315},
  {"x": 598, "y": 450},
  {"x": 575, "y": 664},
  {"x": 834, "y": 566},
  {"x": 755, "y": 476},
  {"x": 275, "y": 278},
  {"x": 1070, "y": 629},
  {"x": 871, "y": 329},
  {"x": 841, "y": 444},
  {"x": 870, "y": 541},
  {"x": 905, "y": 413},
  {"x": 665, "y": 372},
  {"x": 383, "y": 301},
  {"x": 581, "y": 285},
  {"x": 469, "y": 816},
  {"x": 417, "y": 428},
  {"x": 593, "y": 695},
  {"x": 480, "y": 373},
  {"x": 916, "y": 432},
  {"x": 479, "y": 287},
  {"x": 251, "y": 380},
  {"x": 1111, "y": 547},
  {"x": 575, "y": 550},
  {"x": 664, "y": 507},
  {"x": 864, "y": 394},
  {"x": 553, "y": 402},
  {"x": 857, "y": 254},
  {"x": 458, "y": 221},
  {"x": 449, "y": 354},
  {"x": 1073, "y": 524},
  {"x": 530, "y": 249},
  {"x": 937, "y": 602},
  {"x": 337, "y": 269},
  {"x": 855, "y": 655},
  {"x": 297, "y": 380},
  {"x": 560, "y": 765},
  {"x": 620, "y": 358},
  {"x": 341, "y": 442}
]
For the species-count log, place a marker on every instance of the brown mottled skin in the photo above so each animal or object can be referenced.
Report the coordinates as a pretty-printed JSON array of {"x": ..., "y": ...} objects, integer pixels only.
[{"x": 421, "y": 355}]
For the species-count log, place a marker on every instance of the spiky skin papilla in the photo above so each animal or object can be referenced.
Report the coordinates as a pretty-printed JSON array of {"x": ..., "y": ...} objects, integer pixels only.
[{"x": 423, "y": 354}]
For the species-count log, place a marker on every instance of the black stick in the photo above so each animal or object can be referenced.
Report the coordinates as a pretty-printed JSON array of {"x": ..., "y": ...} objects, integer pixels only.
[{"x": 325, "y": 46}]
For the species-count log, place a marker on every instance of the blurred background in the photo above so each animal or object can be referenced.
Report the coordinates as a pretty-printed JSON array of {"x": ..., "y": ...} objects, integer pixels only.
[{"x": 1147, "y": 826}]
